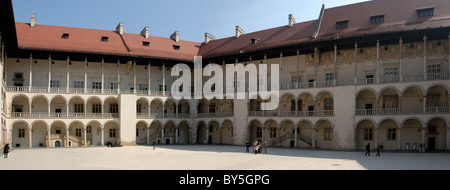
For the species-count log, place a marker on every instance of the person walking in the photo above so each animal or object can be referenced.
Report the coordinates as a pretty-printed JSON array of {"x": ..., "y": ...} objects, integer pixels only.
[
  {"x": 259, "y": 147},
  {"x": 247, "y": 145},
  {"x": 265, "y": 147},
  {"x": 378, "y": 151},
  {"x": 255, "y": 146},
  {"x": 367, "y": 149},
  {"x": 6, "y": 150}
]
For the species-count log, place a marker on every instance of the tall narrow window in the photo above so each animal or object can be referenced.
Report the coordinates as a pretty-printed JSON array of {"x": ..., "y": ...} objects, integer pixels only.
[
  {"x": 433, "y": 71},
  {"x": 426, "y": 12},
  {"x": 368, "y": 134},
  {"x": 329, "y": 77},
  {"x": 328, "y": 135},
  {"x": 96, "y": 108},
  {"x": 113, "y": 108},
  {"x": 96, "y": 85},
  {"x": 21, "y": 133},
  {"x": 392, "y": 134},
  {"x": 78, "y": 108},
  {"x": 390, "y": 101}
]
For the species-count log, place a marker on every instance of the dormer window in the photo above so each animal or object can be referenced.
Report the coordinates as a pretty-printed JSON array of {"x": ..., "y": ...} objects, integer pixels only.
[
  {"x": 255, "y": 40},
  {"x": 377, "y": 19},
  {"x": 65, "y": 36},
  {"x": 342, "y": 24},
  {"x": 429, "y": 12},
  {"x": 176, "y": 47},
  {"x": 146, "y": 44},
  {"x": 105, "y": 39}
]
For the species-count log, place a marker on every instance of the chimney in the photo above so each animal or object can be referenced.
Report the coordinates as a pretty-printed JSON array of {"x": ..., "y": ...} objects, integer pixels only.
[
  {"x": 239, "y": 31},
  {"x": 291, "y": 20},
  {"x": 119, "y": 28},
  {"x": 175, "y": 36},
  {"x": 209, "y": 37},
  {"x": 33, "y": 20},
  {"x": 144, "y": 32}
]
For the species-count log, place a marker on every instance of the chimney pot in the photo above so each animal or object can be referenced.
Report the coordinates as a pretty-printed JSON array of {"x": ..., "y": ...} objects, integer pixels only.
[
  {"x": 175, "y": 36},
  {"x": 239, "y": 32},
  {"x": 291, "y": 20},
  {"x": 209, "y": 37},
  {"x": 145, "y": 32},
  {"x": 119, "y": 28},
  {"x": 33, "y": 20}
]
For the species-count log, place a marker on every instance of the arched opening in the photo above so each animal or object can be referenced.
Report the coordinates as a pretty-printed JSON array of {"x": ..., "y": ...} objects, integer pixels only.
[
  {"x": 411, "y": 134},
  {"x": 169, "y": 108},
  {"x": 412, "y": 100},
  {"x": 201, "y": 133},
  {"x": 39, "y": 134},
  {"x": 142, "y": 108},
  {"x": 39, "y": 107},
  {"x": 20, "y": 106},
  {"x": 324, "y": 134},
  {"x": 58, "y": 133},
  {"x": 58, "y": 106},
  {"x": 183, "y": 109},
  {"x": 366, "y": 102},
  {"x": 169, "y": 132},
  {"x": 436, "y": 134},
  {"x": 305, "y": 134},
  {"x": 227, "y": 132},
  {"x": 215, "y": 133},
  {"x": 111, "y": 107},
  {"x": 156, "y": 108},
  {"x": 287, "y": 105},
  {"x": 141, "y": 133},
  {"x": 255, "y": 131},
  {"x": 324, "y": 104},
  {"x": 306, "y": 105},
  {"x": 76, "y": 134},
  {"x": 76, "y": 107},
  {"x": 437, "y": 100},
  {"x": 365, "y": 133},
  {"x": 184, "y": 133},
  {"x": 94, "y": 133},
  {"x": 388, "y": 102},
  {"x": 112, "y": 133},
  {"x": 271, "y": 134},
  {"x": 20, "y": 135},
  {"x": 388, "y": 134},
  {"x": 287, "y": 135},
  {"x": 94, "y": 107},
  {"x": 155, "y": 132}
]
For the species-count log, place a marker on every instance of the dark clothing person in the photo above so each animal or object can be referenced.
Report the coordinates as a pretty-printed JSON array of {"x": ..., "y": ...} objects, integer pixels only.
[
  {"x": 367, "y": 149},
  {"x": 6, "y": 150},
  {"x": 247, "y": 145},
  {"x": 378, "y": 151}
]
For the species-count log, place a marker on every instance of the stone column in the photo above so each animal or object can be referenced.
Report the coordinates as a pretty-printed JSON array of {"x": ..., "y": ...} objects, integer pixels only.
[
  {"x": 295, "y": 136},
  {"x": 49, "y": 140},
  {"x": 103, "y": 136},
  {"x": 164, "y": 80},
  {"x": 85, "y": 137},
  {"x": 30, "y": 70},
  {"x": 149, "y": 80},
  {"x": 207, "y": 134},
  {"x": 66, "y": 142},
  {"x": 49, "y": 72},
  {"x": 148, "y": 135},
  {"x": 399, "y": 142},
  {"x": 68, "y": 75},
  {"x": 425, "y": 74},
  {"x": 85, "y": 74},
  {"x": 30, "y": 140},
  {"x": 103, "y": 76},
  {"x": 400, "y": 59},
  {"x": 378, "y": 62}
]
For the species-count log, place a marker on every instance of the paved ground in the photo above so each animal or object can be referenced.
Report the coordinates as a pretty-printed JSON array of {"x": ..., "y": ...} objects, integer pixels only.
[{"x": 206, "y": 157}]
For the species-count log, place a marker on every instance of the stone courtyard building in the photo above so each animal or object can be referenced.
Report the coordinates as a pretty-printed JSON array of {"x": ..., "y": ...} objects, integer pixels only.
[{"x": 374, "y": 72}]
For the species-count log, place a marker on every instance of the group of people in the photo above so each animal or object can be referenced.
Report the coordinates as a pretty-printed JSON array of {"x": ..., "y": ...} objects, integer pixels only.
[
  {"x": 256, "y": 146},
  {"x": 368, "y": 150}
]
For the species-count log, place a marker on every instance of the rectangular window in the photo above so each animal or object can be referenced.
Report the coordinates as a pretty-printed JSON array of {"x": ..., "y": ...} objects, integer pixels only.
[
  {"x": 391, "y": 74},
  {"x": 161, "y": 87},
  {"x": 78, "y": 108},
  {"x": 78, "y": 132},
  {"x": 368, "y": 134},
  {"x": 176, "y": 47},
  {"x": 146, "y": 44},
  {"x": 390, "y": 101},
  {"x": 328, "y": 103},
  {"x": 143, "y": 86},
  {"x": 433, "y": 71},
  {"x": 105, "y": 39},
  {"x": 273, "y": 132},
  {"x": 433, "y": 100},
  {"x": 139, "y": 108},
  {"x": 328, "y": 135},
  {"x": 89, "y": 129},
  {"x": 391, "y": 134},
  {"x": 329, "y": 77},
  {"x": 113, "y": 108},
  {"x": 97, "y": 85},
  {"x": 54, "y": 84},
  {"x": 426, "y": 12},
  {"x": 113, "y": 86},
  {"x": 65, "y": 36},
  {"x": 259, "y": 133},
  {"x": 369, "y": 79},
  {"x": 294, "y": 80},
  {"x": 21, "y": 133},
  {"x": 377, "y": 19},
  {"x": 96, "y": 108},
  {"x": 342, "y": 24},
  {"x": 300, "y": 81},
  {"x": 112, "y": 133},
  {"x": 78, "y": 84},
  {"x": 212, "y": 108}
]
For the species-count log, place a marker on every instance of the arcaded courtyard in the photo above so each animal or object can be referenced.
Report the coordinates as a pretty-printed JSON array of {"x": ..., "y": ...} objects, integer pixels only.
[{"x": 210, "y": 157}]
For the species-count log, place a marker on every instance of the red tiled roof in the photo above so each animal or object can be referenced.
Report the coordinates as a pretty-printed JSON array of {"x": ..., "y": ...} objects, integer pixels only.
[
  {"x": 45, "y": 37},
  {"x": 399, "y": 15}
]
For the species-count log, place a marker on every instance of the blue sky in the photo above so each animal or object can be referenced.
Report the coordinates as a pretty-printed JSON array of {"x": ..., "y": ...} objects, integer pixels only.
[{"x": 191, "y": 17}]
